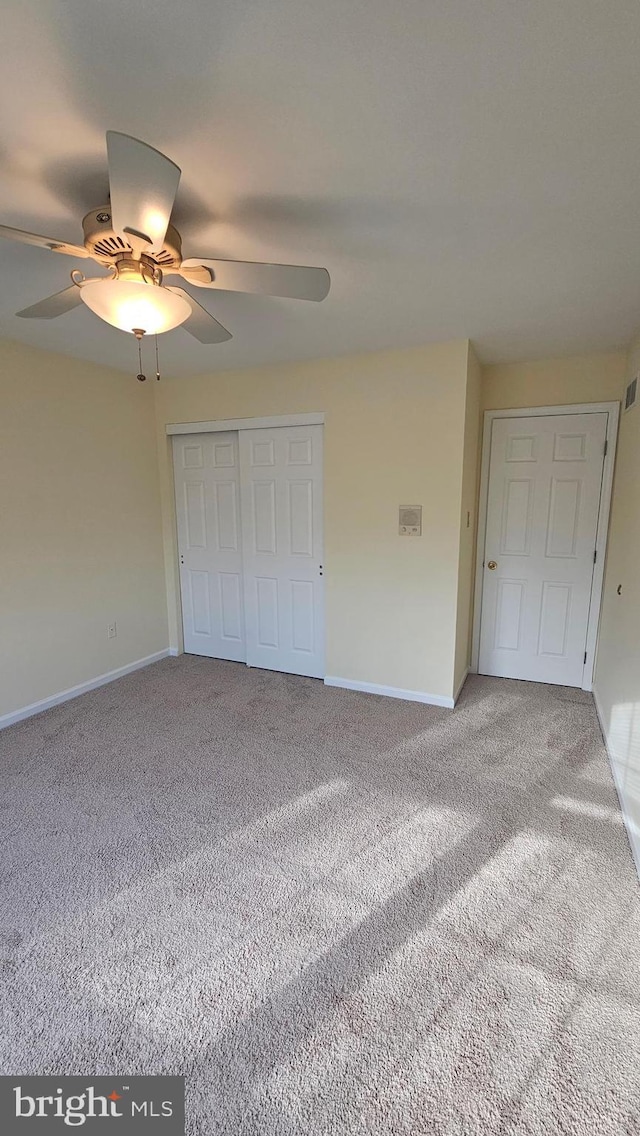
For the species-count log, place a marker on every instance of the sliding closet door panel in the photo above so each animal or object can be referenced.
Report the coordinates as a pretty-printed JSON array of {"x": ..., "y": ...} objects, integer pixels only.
[
  {"x": 207, "y": 483},
  {"x": 281, "y": 490}
]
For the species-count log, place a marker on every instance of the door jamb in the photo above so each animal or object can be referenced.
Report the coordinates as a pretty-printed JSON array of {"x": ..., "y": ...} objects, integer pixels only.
[{"x": 612, "y": 409}]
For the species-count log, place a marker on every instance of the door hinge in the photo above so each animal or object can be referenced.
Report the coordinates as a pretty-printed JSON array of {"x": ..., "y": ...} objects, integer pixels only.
[
  {"x": 585, "y": 656},
  {"x": 595, "y": 555},
  {"x": 606, "y": 446}
]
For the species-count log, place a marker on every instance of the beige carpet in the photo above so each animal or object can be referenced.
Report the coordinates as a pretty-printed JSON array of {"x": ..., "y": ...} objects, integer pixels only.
[{"x": 336, "y": 914}]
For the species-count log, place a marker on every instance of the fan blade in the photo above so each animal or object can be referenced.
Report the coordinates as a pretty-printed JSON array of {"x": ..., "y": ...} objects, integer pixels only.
[
  {"x": 291, "y": 280},
  {"x": 53, "y": 306},
  {"x": 42, "y": 242},
  {"x": 143, "y": 185},
  {"x": 201, "y": 323}
]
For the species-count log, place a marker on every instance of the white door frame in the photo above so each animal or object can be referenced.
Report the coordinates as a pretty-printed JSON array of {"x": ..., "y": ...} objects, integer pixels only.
[
  {"x": 215, "y": 426},
  {"x": 613, "y": 411},
  {"x": 244, "y": 423}
]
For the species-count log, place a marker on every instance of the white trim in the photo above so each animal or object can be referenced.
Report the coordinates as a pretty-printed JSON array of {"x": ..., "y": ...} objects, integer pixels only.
[
  {"x": 174, "y": 652},
  {"x": 216, "y": 427},
  {"x": 612, "y": 409},
  {"x": 390, "y": 691},
  {"x": 458, "y": 692},
  {"x": 633, "y": 832},
  {"x": 543, "y": 411},
  {"x": 81, "y": 688},
  {"x": 597, "y": 581}
]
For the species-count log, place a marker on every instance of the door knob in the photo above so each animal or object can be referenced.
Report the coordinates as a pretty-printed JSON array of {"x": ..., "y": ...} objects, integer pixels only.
[{"x": 492, "y": 565}]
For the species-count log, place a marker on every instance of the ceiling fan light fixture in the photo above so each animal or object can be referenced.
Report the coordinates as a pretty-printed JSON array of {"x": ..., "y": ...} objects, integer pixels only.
[
  {"x": 129, "y": 304},
  {"x": 133, "y": 238}
]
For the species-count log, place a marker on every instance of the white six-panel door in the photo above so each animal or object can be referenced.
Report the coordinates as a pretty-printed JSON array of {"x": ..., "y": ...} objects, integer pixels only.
[
  {"x": 207, "y": 482},
  {"x": 545, "y": 483},
  {"x": 249, "y": 517},
  {"x": 281, "y": 493}
]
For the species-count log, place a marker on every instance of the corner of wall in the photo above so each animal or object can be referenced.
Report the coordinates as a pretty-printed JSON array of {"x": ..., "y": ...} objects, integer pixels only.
[
  {"x": 617, "y": 671},
  {"x": 468, "y": 518},
  {"x": 81, "y": 527}
]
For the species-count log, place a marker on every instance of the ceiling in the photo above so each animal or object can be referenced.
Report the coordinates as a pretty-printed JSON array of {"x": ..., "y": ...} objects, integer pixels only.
[{"x": 461, "y": 167}]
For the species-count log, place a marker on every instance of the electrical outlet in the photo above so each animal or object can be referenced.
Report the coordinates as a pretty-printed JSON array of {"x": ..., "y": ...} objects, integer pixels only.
[{"x": 112, "y": 631}]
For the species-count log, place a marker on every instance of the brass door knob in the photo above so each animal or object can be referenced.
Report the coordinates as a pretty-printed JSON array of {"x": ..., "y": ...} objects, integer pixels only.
[{"x": 492, "y": 565}]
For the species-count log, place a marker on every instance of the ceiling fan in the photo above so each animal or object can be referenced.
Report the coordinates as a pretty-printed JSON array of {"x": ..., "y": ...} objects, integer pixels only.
[{"x": 133, "y": 238}]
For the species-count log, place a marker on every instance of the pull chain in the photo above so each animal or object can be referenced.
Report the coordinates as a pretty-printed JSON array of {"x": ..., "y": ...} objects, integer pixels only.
[
  {"x": 138, "y": 332},
  {"x": 157, "y": 363}
]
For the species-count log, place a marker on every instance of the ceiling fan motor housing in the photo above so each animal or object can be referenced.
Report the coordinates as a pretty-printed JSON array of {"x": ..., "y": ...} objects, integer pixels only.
[{"x": 107, "y": 247}]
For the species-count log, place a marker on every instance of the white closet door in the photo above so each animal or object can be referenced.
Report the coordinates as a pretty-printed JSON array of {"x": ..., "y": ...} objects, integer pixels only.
[
  {"x": 544, "y": 497},
  {"x": 281, "y": 491},
  {"x": 207, "y": 483}
]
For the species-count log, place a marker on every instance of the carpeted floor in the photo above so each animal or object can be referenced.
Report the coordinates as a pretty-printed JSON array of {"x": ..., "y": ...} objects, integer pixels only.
[{"x": 336, "y": 914}]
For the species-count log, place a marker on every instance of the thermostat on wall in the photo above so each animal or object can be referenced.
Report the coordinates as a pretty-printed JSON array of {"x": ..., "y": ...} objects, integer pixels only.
[{"x": 410, "y": 520}]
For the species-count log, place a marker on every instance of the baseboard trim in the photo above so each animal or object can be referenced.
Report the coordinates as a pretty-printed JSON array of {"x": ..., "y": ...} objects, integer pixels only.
[
  {"x": 458, "y": 692},
  {"x": 82, "y": 688},
  {"x": 174, "y": 652},
  {"x": 390, "y": 691},
  {"x": 633, "y": 832}
]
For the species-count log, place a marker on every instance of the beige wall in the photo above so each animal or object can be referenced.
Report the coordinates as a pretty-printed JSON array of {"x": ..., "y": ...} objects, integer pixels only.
[
  {"x": 553, "y": 382},
  {"x": 617, "y": 682},
  {"x": 393, "y": 435},
  {"x": 79, "y": 524},
  {"x": 81, "y": 530},
  {"x": 468, "y": 517}
]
